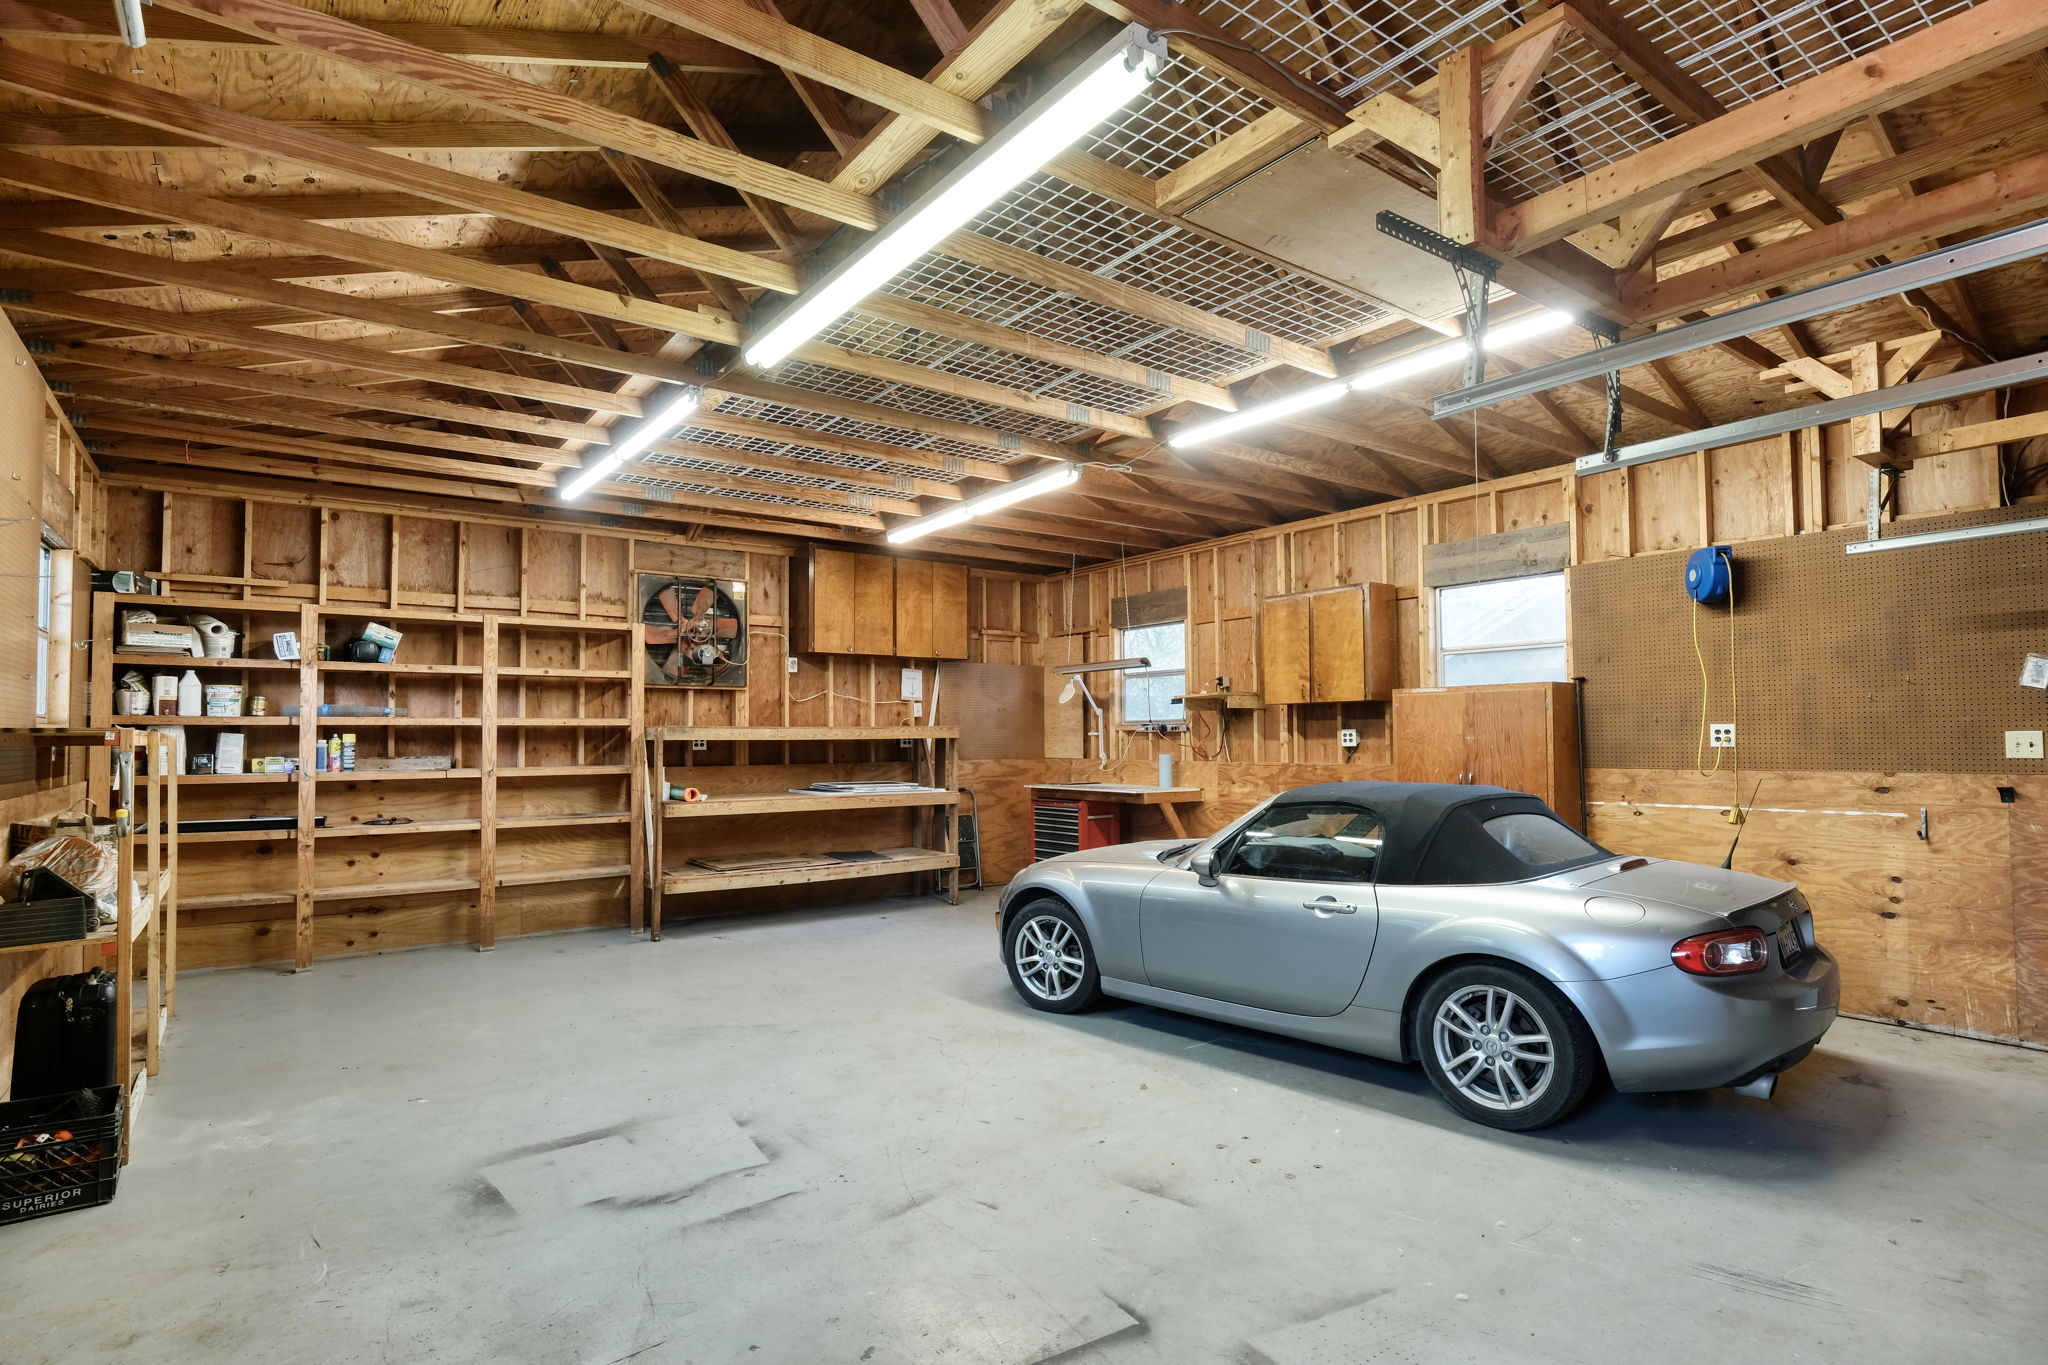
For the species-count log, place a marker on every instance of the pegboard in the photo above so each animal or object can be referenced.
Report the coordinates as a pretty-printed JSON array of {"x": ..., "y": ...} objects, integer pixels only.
[{"x": 1905, "y": 661}]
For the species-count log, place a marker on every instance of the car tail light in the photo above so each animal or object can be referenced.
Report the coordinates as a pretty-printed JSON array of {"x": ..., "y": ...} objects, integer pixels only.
[{"x": 1724, "y": 952}]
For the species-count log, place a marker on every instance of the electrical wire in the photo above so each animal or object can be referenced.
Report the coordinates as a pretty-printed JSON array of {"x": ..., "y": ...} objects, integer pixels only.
[{"x": 1733, "y": 753}]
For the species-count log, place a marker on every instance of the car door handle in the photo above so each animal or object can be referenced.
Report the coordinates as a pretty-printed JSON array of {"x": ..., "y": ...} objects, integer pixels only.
[{"x": 1328, "y": 905}]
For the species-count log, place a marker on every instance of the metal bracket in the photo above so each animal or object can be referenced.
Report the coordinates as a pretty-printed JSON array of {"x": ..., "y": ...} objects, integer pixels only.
[{"x": 1412, "y": 233}]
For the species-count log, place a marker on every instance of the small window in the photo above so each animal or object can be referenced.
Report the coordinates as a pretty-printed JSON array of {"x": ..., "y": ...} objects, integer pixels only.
[
  {"x": 1538, "y": 840},
  {"x": 1508, "y": 630},
  {"x": 1149, "y": 692},
  {"x": 1308, "y": 843}
]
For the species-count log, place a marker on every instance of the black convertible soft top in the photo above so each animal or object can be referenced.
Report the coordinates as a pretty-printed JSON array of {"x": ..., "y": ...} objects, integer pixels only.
[{"x": 1434, "y": 834}]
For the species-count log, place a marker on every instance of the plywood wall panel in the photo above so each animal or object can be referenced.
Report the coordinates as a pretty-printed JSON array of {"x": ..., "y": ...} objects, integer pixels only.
[
  {"x": 426, "y": 564},
  {"x": 358, "y": 551},
  {"x": 1752, "y": 490},
  {"x": 284, "y": 541},
  {"x": 205, "y": 536}
]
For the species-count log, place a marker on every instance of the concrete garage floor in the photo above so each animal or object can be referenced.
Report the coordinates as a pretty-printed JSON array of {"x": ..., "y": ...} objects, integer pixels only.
[{"x": 825, "y": 1138}]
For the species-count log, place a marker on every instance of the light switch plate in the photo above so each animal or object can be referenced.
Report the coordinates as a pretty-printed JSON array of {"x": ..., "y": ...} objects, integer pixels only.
[
  {"x": 2023, "y": 744},
  {"x": 1721, "y": 736}
]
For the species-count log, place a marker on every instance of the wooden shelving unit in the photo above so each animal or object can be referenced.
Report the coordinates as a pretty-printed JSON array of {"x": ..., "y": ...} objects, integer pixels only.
[
  {"x": 144, "y": 937},
  {"x": 749, "y": 796},
  {"x": 535, "y": 714}
]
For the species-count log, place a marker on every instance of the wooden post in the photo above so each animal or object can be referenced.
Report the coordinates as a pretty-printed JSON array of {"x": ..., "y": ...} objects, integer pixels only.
[
  {"x": 487, "y": 760},
  {"x": 309, "y": 785},
  {"x": 1462, "y": 212}
]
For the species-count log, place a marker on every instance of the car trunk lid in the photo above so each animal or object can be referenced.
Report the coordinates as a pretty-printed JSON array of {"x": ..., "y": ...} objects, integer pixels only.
[{"x": 1711, "y": 890}]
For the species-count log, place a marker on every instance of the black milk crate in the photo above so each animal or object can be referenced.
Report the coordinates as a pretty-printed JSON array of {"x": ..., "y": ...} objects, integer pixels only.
[
  {"x": 51, "y": 910},
  {"x": 59, "y": 1152}
]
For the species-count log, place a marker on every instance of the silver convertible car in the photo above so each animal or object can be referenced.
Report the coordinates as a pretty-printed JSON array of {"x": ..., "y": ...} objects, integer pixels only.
[{"x": 1464, "y": 927}]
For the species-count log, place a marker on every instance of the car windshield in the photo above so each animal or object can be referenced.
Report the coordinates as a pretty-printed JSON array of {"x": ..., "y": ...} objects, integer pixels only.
[{"x": 1538, "y": 840}]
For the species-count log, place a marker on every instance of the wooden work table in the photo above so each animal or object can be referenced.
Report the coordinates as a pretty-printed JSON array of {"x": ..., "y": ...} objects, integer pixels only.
[{"x": 1168, "y": 799}]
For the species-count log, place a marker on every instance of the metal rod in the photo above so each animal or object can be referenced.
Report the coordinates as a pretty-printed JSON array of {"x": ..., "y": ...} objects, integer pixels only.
[
  {"x": 1983, "y": 253},
  {"x": 1926, "y": 538},
  {"x": 2004, "y": 374}
]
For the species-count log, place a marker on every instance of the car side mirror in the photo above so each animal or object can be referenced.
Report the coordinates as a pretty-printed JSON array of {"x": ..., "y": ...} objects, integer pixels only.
[{"x": 1203, "y": 865}]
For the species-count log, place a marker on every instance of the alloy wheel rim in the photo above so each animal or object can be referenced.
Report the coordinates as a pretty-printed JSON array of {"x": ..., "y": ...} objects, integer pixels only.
[
  {"x": 1493, "y": 1048},
  {"x": 1049, "y": 957}
]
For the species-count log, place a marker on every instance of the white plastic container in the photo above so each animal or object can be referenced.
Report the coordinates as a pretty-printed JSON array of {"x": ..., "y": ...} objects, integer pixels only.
[
  {"x": 223, "y": 699},
  {"x": 191, "y": 695}
]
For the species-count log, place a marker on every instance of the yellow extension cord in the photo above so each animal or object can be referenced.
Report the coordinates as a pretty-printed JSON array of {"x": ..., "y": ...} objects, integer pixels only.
[{"x": 1735, "y": 812}]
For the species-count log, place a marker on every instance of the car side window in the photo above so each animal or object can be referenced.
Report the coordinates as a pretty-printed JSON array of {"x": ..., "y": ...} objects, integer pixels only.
[{"x": 1308, "y": 843}]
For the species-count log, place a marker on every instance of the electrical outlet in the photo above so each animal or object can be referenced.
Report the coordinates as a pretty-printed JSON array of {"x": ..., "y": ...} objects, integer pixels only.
[
  {"x": 2022, "y": 743},
  {"x": 1347, "y": 739},
  {"x": 700, "y": 745},
  {"x": 792, "y": 663},
  {"x": 1720, "y": 736},
  {"x": 905, "y": 743}
]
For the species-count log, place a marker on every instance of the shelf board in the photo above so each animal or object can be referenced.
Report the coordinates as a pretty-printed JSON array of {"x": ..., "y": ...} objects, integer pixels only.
[
  {"x": 344, "y": 723},
  {"x": 104, "y": 934},
  {"x": 683, "y": 880},
  {"x": 427, "y": 670},
  {"x": 238, "y": 900},
  {"x": 612, "y": 674},
  {"x": 357, "y": 893},
  {"x": 618, "y": 817},
  {"x": 252, "y": 722},
  {"x": 377, "y": 611},
  {"x": 1231, "y": 701},
  {"x": 171, "y": 662},
  {"x": 544, "y": 623},
  {"x": 415, "y": 827},
  {"x": 211, "y": 779},
  {"x": 570, "y": 770},
  {"x": 398, "y": 774},
  {"x": 238, "y": 836},
  {"x": 573, "y": 874},
  {"x": 208, "y": 604},
  {"x": 562, "y": 722},
  {"x": 774, "y": 803},
  {"x": 720, "y": 734}
]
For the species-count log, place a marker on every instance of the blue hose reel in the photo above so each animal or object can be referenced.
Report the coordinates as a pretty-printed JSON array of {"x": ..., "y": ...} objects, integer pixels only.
[{"x": 1708, "y": 577}]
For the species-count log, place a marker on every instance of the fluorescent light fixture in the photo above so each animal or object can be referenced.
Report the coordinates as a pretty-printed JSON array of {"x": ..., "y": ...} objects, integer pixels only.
[
  {"x": 1527, "y": 328},
  {"x": 1066, "y": 113},
  {"x": 1058, "y": 476},
  {"x": 1926, "y": 538},
  {"x": 128, "y": 16},
  {"x": 1105, "y": 666},
  {"x": 655, "y": 426}
]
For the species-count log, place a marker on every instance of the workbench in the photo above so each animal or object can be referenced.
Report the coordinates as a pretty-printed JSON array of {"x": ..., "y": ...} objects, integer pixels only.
[{"x": 1129, "y": 794}]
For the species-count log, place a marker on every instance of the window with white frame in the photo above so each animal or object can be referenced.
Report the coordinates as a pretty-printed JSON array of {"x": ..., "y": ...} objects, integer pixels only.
[
  {"x": 46, "y": 613},
  {"x": 1149, "y": 692},
  {"x": 1507, "y": 630}
]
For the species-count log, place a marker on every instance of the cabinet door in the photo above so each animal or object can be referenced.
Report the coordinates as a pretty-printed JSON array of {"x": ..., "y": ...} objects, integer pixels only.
[
  {"x": 916, "y": 619},
  {"x": 1430, "y": 730},
  {"x": 1382, "y": 642},
  {"x": 1510, "y": 738},
  {"x": 874, "y": 605},
  {"x": 829, "y": 591},
  {"x": 949, "y": 612},
  {"x": 1283, "y": 651},
  {"x": 1337, "y": 645}
]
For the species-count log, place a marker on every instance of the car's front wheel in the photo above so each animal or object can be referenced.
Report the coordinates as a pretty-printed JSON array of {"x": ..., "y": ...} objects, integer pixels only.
[
  {"x": 1051, "y": 963},
  {"x": 1503, "y": 1047}
]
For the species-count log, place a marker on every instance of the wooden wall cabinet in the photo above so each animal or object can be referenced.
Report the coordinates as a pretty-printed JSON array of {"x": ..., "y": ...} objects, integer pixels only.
[
  {"x": 876, "y": 604},
  {"x": 1523, "y": 736},
  {"x": 1334, "y": 645}
]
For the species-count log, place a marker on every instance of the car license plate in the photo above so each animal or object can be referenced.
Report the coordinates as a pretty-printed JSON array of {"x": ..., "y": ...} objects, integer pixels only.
[{"x": 1790, "y": 946}]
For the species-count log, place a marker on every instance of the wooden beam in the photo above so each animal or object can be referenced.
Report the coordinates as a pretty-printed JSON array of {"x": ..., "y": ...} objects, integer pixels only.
[
  {"x": 2004, "y": 431},
  {"x": 1009, "y": 260},
  {"x": 249, "y": 443},
  {"x": 910, "y": 313},
  {"x": 943, "y": 22},
  {"x": 307, "y": 30},
  {"x": 1931, "y": 58},
  {"x": 91, "y": 21},
  {"x": 1463, "y": 213},
  {"x": 1193, "y": 31},
  {"x": 740, "y": 25},
  {"x": 892, "y": 371},
  {"x": 312, "y": 391},
  {"x": 158, "y": 108},
  {"x": 833, "y": 443},
  {"x": 201, "y": 327},
  {"x": 790, "y": 395},
  {"x": 295, "y": 418},
  {"x": 244, "y": 216},
  {"x": 697, "y": 116},
  {"x": 639, "y": 181},
  {"x": 773, "y": 465},
  {"x": 827, "y": 109},
  {"x": 2006, "y": 191},
  {"x": 1519, "y": 72},
  {"x": 1265, "y": 139}
]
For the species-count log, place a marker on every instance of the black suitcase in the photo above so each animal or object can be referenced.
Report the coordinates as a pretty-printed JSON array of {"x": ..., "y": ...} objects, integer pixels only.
[{"x": 67, "y": 1035}]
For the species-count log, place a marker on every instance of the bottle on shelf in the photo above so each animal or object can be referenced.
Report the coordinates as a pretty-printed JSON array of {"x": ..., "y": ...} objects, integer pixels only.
[
  {"x": 191, "y": 695},
  {"x": 334, "y": 753},
  {"x": 348, "y": 753}
]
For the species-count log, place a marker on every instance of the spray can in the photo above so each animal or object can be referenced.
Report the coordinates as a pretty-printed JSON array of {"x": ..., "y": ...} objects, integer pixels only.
[
  {"x": 334, "y": 753},
  {"x": 348, "y": 753}
]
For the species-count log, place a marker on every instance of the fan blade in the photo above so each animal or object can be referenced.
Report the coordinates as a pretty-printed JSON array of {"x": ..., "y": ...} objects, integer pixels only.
[
  {"x": 660, "y": 635},
  {"x": 703, "y": 601},
  {"x": 676, "y": 664},
  {"x": 725, "y": 628},
  {"x": 671, "y": 602}
]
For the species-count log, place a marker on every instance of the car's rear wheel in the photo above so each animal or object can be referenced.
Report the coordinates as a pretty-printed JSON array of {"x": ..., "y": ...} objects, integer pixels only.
[
  {"x": 1050, "y": 960},
  {"x": 1503, "y": 1047}
]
